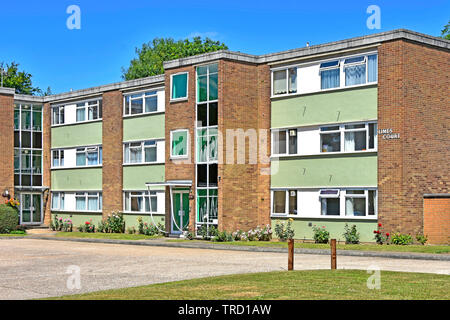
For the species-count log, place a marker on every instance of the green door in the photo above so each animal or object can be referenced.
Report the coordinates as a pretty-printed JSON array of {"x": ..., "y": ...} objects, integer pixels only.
[
  {"x": 180, "y": 210},
  {"x": 30, "y": 208}
]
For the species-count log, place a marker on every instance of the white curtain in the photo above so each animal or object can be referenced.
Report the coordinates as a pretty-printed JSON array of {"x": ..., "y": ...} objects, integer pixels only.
[
  {"x": 349, "y": 143},
  {"x": 355, "y": 75},
  {"x": 349, "y": 207}
]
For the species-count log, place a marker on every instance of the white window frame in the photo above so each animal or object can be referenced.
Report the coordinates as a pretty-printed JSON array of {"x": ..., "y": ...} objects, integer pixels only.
[
  {"x": 86, "y": 151},
  {"x": 187, "y": 87},
  {"x": 288, "y": 134},
  {"x": 60, "y": 121},
  {"x": 287, "y": 195},
  {"x": 86, "y": 195},
  {"x": 60, "y": 163},
  {"x": 146, "y": 195},
  {"x": 87, "y": 105},
  {"x": 172, "y": 156},
  {"x": 352, "y": 64},
  {"x": 342, "y": 130},
  {"x": 61, "y": 196},
  {"x": 286, "y": 69},
  {"x": 142, "y": 96},
  {"x": 142, "y": 147}
]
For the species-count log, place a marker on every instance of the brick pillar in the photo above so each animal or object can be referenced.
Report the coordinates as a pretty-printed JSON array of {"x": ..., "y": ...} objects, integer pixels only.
[
  {"x": 112, "y": 143},
  {"x": 7, "y": 140},
  {"x": 46, "y": 160}
]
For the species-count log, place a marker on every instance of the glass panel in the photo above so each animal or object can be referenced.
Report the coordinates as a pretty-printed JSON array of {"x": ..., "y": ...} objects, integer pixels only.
[
  {"x": 150, "y": 154},
  {"x": 372, "y": 201},
  {"x": 292, "y": 80},
  {"x": 137, "y": 106},
  {"x": 37, "y": 180},
  {"x": 213, "y": 80},
  {"x": 151, "y": 104},
  {"x": 279, "y": 202},
  {"x": 355, "y": 126},
  {"x": 329, "y": 78},
  {"x": 354, "y": 60},
  {"x": 137, "y": 202},
  {"x": 37, "y": 120},
  {"x": 292, "y": 202},
  {"x": 37, "y": 140},
  {"x": 202, "y": 143},
  {"x": 330, "y": 206},
  {"x": 202, "y": 206},
  {"x": 355, "y": 141},
  {"x": 355, "y": 192},
  {"x": 26, "y": 205},
  {"x": 26, "y": 139},
  {"x": 26, "y": 180},
  {"x": 179, "y": 86},
  {"x": 212, "y": 175},
  {"x": 213, "y": 114},
  {"x": 202, "y": 70},
  {"x": 135, "y": 152},
  {"x": 81, "y": 113},
  {"x": 92, "y": 158},
  {"x": 213, "y": 205},
  {"x": 279, "y": 142},
  {"x": 279, "y": 82},
  {"x": 331, "y": 142},
  {"x": 202, "y": 175},
  {"x": 36, "y": 208},
  {"x": 81, "y": 158},
  {"x": 212, "y": 145},
  {"x": 372, "y": 67},
  {"x": 26, "y": 118},
  {"x": 55, "y": 200},
  {"x": 61, "y": 207},
  {"x": 372, "y": 135},
  {"x": 202, "y": 88},
  {"x": 179, "y": 143},
  {"x": 17, "y": 139},
  {"x": 37, "y": 162},
  {"x": 355, "y": 207},
  {"x": 329, "y": 64},
  {"x": 329, "y": 128},
  {"x": 127, "y": 105},
  {"x": 292, "y": 141},
  {"x": 355, "y": 75},
  {"x": 26, "y": 161},
  {"x": 92, "y": 203},
  {"x": 80, "y": 202},
  {"x": 16, "y": 119},
  {"x": 16, "y": 161},
  {"x": 202, "y": 115}
]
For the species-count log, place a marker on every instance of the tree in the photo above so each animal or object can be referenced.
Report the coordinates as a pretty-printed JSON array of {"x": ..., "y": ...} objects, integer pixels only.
[
  {"x": 445, "y": 33},
  {"x": 152, "y": 55},
  {"x": 20, "y": 80}
]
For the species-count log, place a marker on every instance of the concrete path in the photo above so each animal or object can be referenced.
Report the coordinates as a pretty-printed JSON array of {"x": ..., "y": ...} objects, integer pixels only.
[{"x": 32, "y": 268}]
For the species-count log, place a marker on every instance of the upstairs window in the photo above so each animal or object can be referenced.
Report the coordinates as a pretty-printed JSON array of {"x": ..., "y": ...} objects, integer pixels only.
[
  {"x": 179, "y": 86},
  {"x": 89, "y": 110},
  {"x": 330, "y": 139},
  {"x": 330, "y": 202},
  {"x": 179, "y": 143},
  {"x": 58, "y": 158},
  {"x": 89, "y": 156},
  {"x": 285, "y": 142},
  {"x": 140, "y": 103},
  {"x": 330, "y": 74},
  {"x": 207, "y": 80},
  {"x": 284, "y": 81},
  {"x": 140, "y": 152},
  {"x": 355, "y": 71},
  {"x": 349, "y": 137},
  {"x": 58, "y": 115}
]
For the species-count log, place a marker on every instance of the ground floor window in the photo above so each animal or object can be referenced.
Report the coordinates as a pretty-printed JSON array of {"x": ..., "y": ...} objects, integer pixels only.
[
  {"x": 207, "y": 208},
  {"x": 141, "y": 201},
  {"x": 284, "y": 202},
  {"x": 57, "y": 200},
  {"x": 88, "y": 201}
]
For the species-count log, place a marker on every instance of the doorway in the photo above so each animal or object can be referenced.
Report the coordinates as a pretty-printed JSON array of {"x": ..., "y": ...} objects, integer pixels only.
[
  {"x": 180, "y": 211},
  {"x": 30, "y": 208}
]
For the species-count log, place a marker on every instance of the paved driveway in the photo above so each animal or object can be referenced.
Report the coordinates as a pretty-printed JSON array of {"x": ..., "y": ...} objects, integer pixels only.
[{"x": 31, "y": 268}]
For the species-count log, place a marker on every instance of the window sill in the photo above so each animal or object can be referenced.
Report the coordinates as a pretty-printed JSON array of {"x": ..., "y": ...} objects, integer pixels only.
[
  {"x": 287, "y": 216},
  {"x": 76, "y": 167},
  {"x": 142, "y": 164},
  {"x": 274, "y": 156},
  {"x": 127, "y": 116},
  {"x": 74, "y": 211},
  {"x": 179, "y": 158},
  {"x": 75, "y": 123},
  {"x": 179, "y": 100},
  {"x": 144, "y": 213}
]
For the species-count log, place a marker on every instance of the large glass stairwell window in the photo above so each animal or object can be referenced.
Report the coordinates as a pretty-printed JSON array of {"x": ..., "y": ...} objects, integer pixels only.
[{"x": 207, "y": 147}]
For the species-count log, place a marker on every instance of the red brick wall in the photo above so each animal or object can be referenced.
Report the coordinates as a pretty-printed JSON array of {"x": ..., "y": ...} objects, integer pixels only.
[
  {"x": 46, "y": 160},
  {"x": 436, "y": 220},
  {"x": 244, "y": 103},
  {"x": 413, "y": 100},
  {"x": 112, "y": 137},
  {"x": 7, "y": 144},
  {"x": 180, "y": 115}
]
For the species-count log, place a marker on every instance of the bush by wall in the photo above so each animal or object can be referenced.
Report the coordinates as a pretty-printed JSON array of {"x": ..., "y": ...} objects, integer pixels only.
[{"x": 9, "y": 218}]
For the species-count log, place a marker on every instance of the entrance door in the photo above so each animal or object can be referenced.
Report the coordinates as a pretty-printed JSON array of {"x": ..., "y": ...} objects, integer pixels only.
[
  {"x": 180, "y": 211},
  {"x": 30, "y": 208}
]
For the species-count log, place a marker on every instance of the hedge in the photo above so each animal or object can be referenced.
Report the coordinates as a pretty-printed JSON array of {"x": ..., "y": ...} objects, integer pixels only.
[{"x": 9, "y": 218}]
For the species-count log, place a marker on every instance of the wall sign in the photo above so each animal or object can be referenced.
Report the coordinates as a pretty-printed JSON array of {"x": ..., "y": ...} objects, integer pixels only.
[{"x": 388, "y": 134}]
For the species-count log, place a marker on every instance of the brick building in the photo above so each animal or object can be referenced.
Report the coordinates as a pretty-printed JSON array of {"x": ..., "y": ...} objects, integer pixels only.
[{"x": 355, "y": 131}]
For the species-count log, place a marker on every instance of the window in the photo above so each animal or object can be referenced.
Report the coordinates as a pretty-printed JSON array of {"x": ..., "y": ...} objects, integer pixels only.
[
  {"x": 89, "y": 156},
  {"x": 89, "y": 110},
  {"x": 330, "y": 202},
  {"x": 179, "y": 144},
  {"x": 58, "y": 115},
  {"x": 179, "y": 86},
  {"x": 279, "y": 204},
  {"x": 360, "y": 203},
  {"x": 57, "y": 200},
  {"x": 330, "y": 74},
  {"x": 88, "y": 201},
  {"x": 58, "y": 158},
  {"x": 355, "y": 71},
  {"x": 284, "y": 141},
  {"x": 284, "y": 81},
  {"x": 140, "y": 152},
  {"x": 207, "y": 79},
  {"x": 372, "y": 68},
  {"x": 207, "y": 145},
  {"x": 356, "y": 137},
  {"x": 140, "y": 103},
  {"x": 141, "y": 201}
]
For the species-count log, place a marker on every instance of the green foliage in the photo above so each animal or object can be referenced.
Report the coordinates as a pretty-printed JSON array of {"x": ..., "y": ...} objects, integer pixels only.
[
  {"x": 421, "y": 238},
  {"x": 152, "y": 55},
  {"x": 17, "y": 232},
  {"x": 114, "y": 223},
  {"x": 19, "y": 80},
  {"x": 401, "y": 239},
  {"x": 60, "y": 224},
  {"x": 9, "y": 218},
  {"x": 223, "y": 236},
  {"x": 380, "y": 236},
  {"x": 351, "y": 235},
  {"x": 88, "y": 227},
  {"x": 284, "y": 230},
  {"x": 207, "y": 233},
  {"x": 445, "y": 33},
  {"x": 321, "y": 235},
  {"x": 149, "y": 229}
]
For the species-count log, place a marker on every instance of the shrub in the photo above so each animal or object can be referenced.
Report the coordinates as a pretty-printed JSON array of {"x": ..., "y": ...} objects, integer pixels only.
[
  {"x": 207, "y": 234},
  {"x": 9, "y": 218},
  {"x": 114, "y": 223},
  {"x": 263, "y": 234},
  {"x": 149, "y": 229},
  {"x": 284, "y": 230},
  {"x": 189, "y": 235},
  {"x": 351, "y": 235},
  {"x": 223, "y": 236},
  {"x": 131, "y": 230},
  {"x": 380, "y": 236},
  {"x": 60, "y": 224},
  {"x": 401, "y": 239},
  {"x": 422, "y": 239},
  {"x": 321, "y": 235},
  {"x": 88, "y": 226}
]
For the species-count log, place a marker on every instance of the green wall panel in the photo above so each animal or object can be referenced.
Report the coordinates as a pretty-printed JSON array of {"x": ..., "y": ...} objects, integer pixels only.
[
  {"x": 143, "y": 127},
  {"x": 135, "y": 177},
  {"x": 76, "y": 135},
  {"x": 77, "y": 179},
  {"x": 325, "y": 107},
  {"x": 335, "y": 227},
  {"x": 79, "y": 218},
  {"x": 325, "y": 171}
]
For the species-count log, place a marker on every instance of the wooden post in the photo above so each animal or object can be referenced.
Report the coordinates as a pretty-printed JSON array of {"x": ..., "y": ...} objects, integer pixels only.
[
  {"x": 291, "y": 254},
  {"x": 333, "y": 254}
]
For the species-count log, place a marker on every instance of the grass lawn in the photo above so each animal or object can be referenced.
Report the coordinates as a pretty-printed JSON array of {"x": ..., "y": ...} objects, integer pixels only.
[
  {"x": 365, "y": 247},
  {"x": 115, "y": 236},
  {"x": 288, "y": 285},
  {"x": 11, "y": 235}
]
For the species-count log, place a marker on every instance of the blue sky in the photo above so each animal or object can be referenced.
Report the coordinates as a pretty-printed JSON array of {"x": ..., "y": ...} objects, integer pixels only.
[{"x": 34, "y": 33}]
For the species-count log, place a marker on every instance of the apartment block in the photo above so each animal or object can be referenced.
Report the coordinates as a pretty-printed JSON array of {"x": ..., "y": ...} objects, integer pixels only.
[{"x": 350, "y": 132}]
